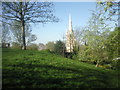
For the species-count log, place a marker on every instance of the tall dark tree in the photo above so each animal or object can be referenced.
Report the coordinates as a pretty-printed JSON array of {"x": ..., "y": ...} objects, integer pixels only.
[
  {"x": 59, "y": 48},
  {"x": 27, "y": 12}
]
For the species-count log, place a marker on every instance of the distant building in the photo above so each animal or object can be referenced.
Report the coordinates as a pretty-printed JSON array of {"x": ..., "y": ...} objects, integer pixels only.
[
  {"x": 70, "y": 37},
  {"x": 41, "y": 46}
]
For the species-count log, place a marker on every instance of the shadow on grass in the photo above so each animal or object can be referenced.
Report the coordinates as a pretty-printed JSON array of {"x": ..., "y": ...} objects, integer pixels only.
[{"x": 48, "y": 76}]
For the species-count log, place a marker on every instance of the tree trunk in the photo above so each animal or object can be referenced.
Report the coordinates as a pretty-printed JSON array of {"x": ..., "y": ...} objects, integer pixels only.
[
  {"x": 97, "y": 64},
  {"x": 23, "y": 26},
  {"x": 23, "y": 35}
]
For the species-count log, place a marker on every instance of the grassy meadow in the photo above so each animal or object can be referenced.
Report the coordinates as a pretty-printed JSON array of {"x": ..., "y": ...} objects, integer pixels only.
[{"x": 42, "y": 69}]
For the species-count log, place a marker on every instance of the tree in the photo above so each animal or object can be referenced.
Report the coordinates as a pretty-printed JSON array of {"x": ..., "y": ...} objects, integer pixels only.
[
  {"x": 16, "y": 45},
  {"x": 110, "y": 10},
  {"x": 99, "y": 43},
  {"x": 32, "y": 46},
  {"x": 94, "y": 37},
  {"x": 112, "y": 43},
  {"x": 5, "y": 33},
  {"x": 59, "y": 48},
  {"x": 17, "y": 33},
  {"x": 79, "y": 34},
  {"x": 27, "y": 12},
  {"x": 50, "y": 46},
  {"x": 31, "y": 38}
]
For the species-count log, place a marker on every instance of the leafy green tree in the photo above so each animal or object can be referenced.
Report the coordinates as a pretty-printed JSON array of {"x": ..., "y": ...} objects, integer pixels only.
[
  {"x": 59, "y": 48},
  {"x": 95, "y": 35},
  {"x": 113, "y": 43},
  {"x": 27, "y": 12},
  {"x": 50, "y": 46}
]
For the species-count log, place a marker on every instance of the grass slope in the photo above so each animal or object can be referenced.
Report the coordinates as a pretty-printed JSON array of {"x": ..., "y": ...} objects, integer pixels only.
[{"x": 41, "y": 69}]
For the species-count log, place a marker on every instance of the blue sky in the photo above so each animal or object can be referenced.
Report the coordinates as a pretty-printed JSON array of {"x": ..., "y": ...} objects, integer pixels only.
[{"x": 80, "y": 12}]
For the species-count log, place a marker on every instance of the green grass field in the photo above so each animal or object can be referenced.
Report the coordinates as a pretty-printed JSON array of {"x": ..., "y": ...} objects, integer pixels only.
[{"x": 42, "y": 69}]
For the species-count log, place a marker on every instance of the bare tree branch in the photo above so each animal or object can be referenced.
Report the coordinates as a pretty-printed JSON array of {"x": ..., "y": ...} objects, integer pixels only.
[{"x": 27, "y": 12}]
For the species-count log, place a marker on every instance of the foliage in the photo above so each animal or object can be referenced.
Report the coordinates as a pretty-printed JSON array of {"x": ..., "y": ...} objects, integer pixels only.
[
  {"x": 75, "y": 51},
  {"x": 100, "y": 48},
  {"x": 79, "y": 35},
  {"x": 50, "y": 46},
  {"x": 110, "y": 10},
  {"x": 59, "y": 48},
  {"x": 27, "y": 12},
  {"x": 112, "y": 46},
  {"x": 17, "y": 33},
  {"x": 32, "y": 46},
  {"x": 5, "y": 33},
  {"x": 112, "y": 43},
  {"x": 31, "y": 38},
  {"x": 41, "y": 69},
  {"x": 16, "y": 45},
  {"x": 97, "y": 43}
]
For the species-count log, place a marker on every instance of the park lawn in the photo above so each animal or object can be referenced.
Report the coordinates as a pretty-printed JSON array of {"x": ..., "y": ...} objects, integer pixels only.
[{"x": 42, "y": 69}]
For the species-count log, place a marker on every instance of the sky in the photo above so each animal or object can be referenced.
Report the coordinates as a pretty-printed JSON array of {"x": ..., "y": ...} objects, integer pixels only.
[{"x": 80, "y": 12}]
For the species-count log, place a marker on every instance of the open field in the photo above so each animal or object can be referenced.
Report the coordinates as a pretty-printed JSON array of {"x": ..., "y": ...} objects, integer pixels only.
[{"x": 42, "y": 69}]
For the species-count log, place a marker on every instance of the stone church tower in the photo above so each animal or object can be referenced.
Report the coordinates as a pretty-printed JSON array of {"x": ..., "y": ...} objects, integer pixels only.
[{"x": 70, "y": 37}]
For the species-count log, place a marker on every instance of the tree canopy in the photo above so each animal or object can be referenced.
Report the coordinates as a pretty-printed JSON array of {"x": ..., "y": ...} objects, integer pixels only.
[{"x": 27, "y": 12}]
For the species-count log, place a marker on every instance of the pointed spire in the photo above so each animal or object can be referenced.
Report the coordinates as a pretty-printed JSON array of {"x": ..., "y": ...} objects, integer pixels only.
[{"x": 70, "y": 23}]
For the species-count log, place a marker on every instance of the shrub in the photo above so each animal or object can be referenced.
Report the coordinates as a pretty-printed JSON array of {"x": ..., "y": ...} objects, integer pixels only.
[
  {"x": 32, "y": 47},
  {"x": 108, "y": 66},
  {"x": 114, "y": 64},
  {"x": 50, "y": 46},
  {"x": 16, "y": 45}
]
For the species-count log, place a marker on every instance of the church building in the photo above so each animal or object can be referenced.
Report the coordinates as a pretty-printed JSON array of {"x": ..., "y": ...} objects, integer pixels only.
[{"x": 70, "y": 37}]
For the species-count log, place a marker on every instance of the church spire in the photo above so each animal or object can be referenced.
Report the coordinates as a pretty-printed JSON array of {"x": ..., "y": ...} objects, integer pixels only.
[
  {"x": 70, "y": 23},
  {"x": 70, "y": 39}
]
